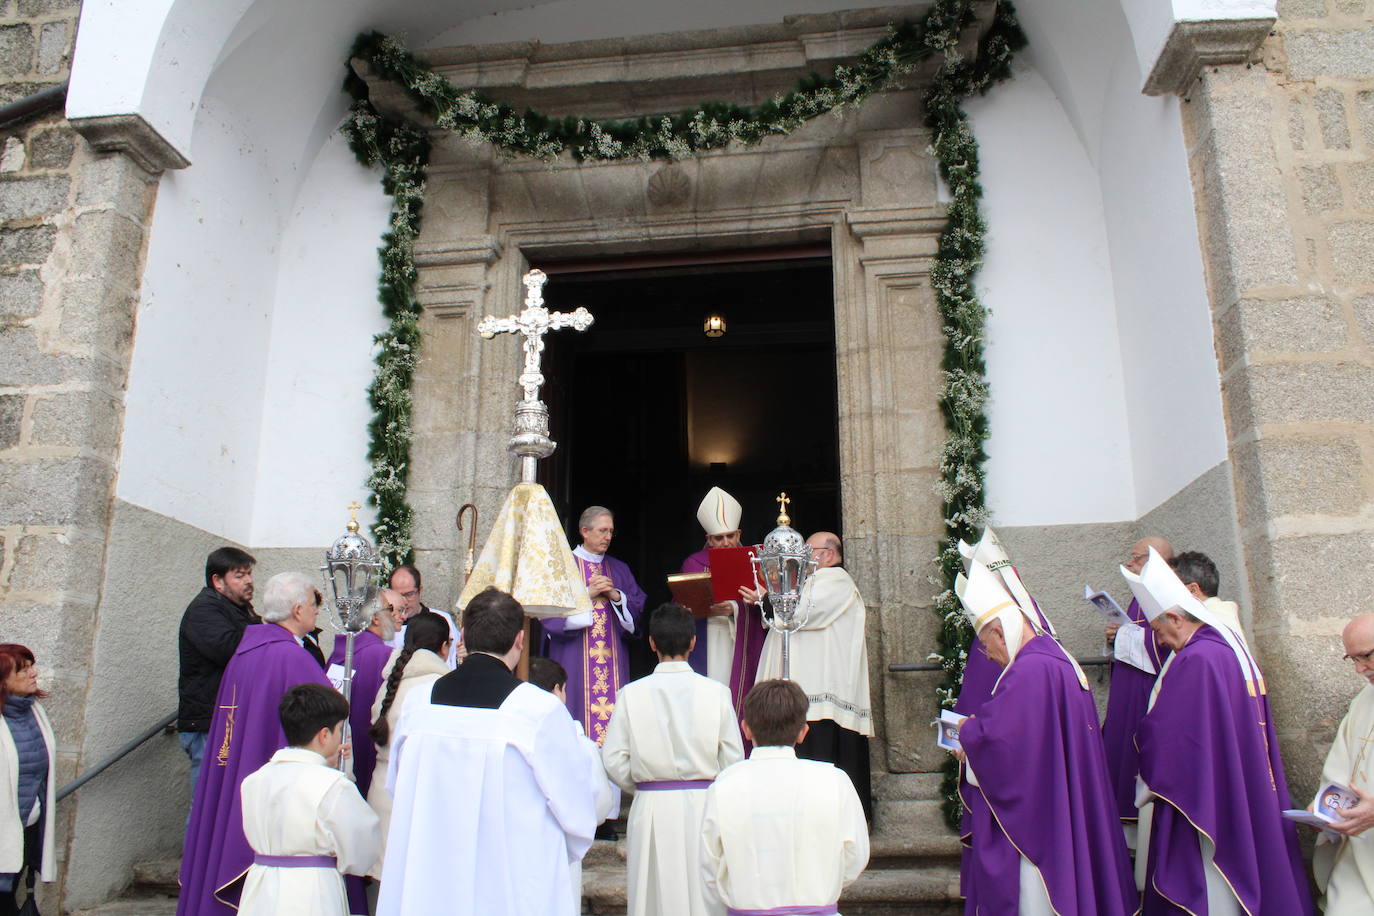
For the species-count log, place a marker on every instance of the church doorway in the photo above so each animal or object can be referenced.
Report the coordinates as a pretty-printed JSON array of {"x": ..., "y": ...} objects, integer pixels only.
[{"x": 649, "y": 412}]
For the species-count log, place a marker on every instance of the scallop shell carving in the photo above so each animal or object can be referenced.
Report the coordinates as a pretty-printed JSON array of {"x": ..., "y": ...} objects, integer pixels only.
[{"x": 668, "y": 187}]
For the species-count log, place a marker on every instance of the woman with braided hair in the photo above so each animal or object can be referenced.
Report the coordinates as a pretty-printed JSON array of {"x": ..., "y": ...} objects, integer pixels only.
[{"x": 419, "y": 663}]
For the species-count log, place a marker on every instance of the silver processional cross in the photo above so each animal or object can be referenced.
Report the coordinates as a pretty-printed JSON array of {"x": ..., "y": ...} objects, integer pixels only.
[{"x": 531, "y": 440}]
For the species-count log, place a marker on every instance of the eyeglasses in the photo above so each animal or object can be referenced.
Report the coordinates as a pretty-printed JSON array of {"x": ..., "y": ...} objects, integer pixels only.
[{"x": 1360, "y": 658}]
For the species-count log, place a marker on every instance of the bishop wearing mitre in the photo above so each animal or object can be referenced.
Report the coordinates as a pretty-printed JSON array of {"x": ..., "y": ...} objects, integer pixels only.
[
  {"x": 733, "y": 639},
  {"x": 1212, "y": 838},
  {"x": 1049, "y": 841}
]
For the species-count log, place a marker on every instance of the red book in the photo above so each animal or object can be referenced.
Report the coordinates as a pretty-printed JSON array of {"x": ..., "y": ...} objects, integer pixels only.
[{"x": 731, "y": 567}]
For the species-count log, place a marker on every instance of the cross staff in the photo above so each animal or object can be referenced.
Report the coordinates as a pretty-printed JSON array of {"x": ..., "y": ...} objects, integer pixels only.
[{"x": 534, "y": 322}]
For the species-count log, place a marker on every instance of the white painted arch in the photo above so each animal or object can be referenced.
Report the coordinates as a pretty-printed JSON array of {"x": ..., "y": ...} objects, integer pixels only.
[{"x": 246, "y": 410}]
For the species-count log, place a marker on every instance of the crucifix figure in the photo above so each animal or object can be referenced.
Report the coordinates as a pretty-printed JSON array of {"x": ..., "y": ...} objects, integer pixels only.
[{"x": 531, "y": 440}]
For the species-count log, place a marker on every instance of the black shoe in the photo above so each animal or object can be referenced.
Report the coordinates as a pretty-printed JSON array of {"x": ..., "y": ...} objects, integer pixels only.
[{"x": 607, "y": 831}]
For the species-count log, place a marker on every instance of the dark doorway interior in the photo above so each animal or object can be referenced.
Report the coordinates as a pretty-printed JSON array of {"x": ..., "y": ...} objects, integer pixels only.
[{"x": 649, "y": 413}]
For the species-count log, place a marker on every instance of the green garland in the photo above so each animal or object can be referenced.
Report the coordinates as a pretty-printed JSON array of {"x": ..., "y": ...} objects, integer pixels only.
[{"x": 402, "y": 150}]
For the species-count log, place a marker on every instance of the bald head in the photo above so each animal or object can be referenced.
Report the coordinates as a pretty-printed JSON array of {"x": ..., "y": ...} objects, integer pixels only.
[
  {"x": 1140, "y": 552},
  {"x": 1358, "y": 638},
  {"x": 825, "y": 547}
]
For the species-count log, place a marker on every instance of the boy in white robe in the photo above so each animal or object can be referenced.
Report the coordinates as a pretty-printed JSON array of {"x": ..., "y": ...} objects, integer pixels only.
[
  {"x": 547, "y": 674},
  {"x": 670, "y": 735},
  {"x": 781, "y": 834},
  {"x": 304, "y": 818}
]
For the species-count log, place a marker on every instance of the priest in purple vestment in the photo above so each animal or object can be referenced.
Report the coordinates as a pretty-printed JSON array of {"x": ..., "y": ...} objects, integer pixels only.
[
  {"x": 729, "y": 645},
  {"x": 1212, "y": 783},
  {"x": 1044, "y": 836},
  {"x": 591, "y": 646},
  {"x": 371, "y": 651},
  {"x": 245, "y": 732},
  {"x": 1129, "y": 692}
]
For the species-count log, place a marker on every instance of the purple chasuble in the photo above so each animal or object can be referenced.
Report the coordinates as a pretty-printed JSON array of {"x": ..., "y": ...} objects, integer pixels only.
[
  {"x": 1036, "y": 749},
  {"x": 244, "y": 734},
  {"x": 370, "y": 655},
  {"x": 595, "y": 656},
  {"x": 1209, "y": 752},
  {"x": 1127, "y": 699}
]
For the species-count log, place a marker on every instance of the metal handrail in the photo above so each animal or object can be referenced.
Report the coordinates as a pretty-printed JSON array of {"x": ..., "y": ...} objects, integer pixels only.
[
  {"x": 114, "y": 758},
  {"x": 35, "y": 103},
  {"x": 1090, "y": 661}
]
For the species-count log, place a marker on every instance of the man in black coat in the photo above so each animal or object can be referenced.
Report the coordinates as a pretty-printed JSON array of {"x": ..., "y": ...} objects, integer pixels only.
[{"x": 211, "y": 627}]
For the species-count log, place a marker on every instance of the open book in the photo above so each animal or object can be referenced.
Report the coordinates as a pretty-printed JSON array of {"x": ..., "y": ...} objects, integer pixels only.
[
  {"x": 1106, "y": 606},
  {"x": 1330, "y": 800},
  {"x": 947, "y": 736}
]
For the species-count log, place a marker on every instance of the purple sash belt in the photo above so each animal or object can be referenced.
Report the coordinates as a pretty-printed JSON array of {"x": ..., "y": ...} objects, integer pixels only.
[
  {"x": 825, "y": 909},
  {"x": 667, "y": 785},
  {"x": 296, "y": 861}
]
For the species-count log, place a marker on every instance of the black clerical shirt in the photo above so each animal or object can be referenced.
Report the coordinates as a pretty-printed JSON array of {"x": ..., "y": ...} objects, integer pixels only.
[{"x": 482, "y": 681}]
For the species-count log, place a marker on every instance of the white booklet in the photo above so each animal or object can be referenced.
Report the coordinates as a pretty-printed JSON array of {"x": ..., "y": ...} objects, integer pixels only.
[
  {"x": 1129, "y": 647},
  {"x": 1330, "y": 800},
  {"x": 335, "y": 674},
  {"x": 1106, "y": 606},
  {"x": 947, "y": 735}
]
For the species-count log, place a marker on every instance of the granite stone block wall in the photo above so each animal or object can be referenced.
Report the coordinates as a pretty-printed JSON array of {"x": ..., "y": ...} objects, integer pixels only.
[{"x": 1282, "y": 157}]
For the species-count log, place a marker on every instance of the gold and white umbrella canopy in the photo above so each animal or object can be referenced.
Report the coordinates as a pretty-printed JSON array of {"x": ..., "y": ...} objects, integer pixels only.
[{"x": 526, "y": 553}]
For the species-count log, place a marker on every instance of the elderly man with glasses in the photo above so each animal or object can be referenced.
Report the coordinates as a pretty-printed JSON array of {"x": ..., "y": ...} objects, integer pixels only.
[
  {"x": 1345, "y": 866},
  {"x": 829, "y": 660}
]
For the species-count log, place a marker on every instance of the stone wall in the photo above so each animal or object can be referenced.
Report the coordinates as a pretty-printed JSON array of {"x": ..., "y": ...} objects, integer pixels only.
[
  {"x": 1282, "y": 157},
  {"x": 72, "y": 230}
]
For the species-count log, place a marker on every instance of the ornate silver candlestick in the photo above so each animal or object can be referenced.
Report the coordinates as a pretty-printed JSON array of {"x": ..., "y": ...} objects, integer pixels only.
[
  {"x": 784, "y": 564},
  {"x": 350, "y": 571}
]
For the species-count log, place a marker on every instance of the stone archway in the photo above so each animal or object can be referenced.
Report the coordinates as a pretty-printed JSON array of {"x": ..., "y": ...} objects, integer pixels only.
[{"x": 861, "y": 182}]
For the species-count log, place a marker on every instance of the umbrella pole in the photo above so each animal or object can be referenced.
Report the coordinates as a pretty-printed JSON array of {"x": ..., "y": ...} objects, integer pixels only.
[{"x": 522, "y": 667}]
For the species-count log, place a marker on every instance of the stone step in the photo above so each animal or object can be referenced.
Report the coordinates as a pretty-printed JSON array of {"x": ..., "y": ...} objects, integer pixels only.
[
  {"x": 922, "y": 786},
  {"x": 931, "y": 890},
  {"x": 158, "y": 876},
  {"x": 135, "y": 905}
]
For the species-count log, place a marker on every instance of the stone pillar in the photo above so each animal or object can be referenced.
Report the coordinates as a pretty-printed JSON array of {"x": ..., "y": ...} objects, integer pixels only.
[
  {"x": 74, "y": 216},
  {"x": 1280, "y": 130}
]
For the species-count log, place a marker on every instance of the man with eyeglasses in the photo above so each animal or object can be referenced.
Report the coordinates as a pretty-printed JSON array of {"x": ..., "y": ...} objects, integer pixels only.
[
  {"x": 1344, "y": 867},
  {"x": 591, "y": 645},
  {"x": 829, "y": 660},
  {"x": 405, "y": 582}
]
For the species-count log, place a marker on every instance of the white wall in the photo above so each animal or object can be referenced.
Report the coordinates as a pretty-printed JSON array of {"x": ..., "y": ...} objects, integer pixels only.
[
  {"x": 263, "y": 254},
  {"x": 1060, "y": 445}
]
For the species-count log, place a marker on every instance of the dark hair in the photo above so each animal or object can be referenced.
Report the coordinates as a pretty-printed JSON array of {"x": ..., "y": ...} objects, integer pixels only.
[
  {"x": 426, "y": 630},
  {"x": 671, "y": 628},
  {"x": 491, "y": 621},
  {"x": 307, "y": 708},
  {"x": 775, "y": 711},
  {"x": 405, "y": 567},
  {"x": 546, "y": 674},
  {"x": 223, "y": 561},
  {"x": 1196, "y": 568},
  {"x": 14, "y": 657}
]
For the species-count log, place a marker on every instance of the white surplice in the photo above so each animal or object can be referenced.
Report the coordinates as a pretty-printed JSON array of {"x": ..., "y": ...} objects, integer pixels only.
[
  {"x": 1345, "y": 868},
  {"x": 490, "y": 807},
  {"x": 779, "y": 832},
  {"x": 607, "y": 805},
  {"x": 829, "y": 656},
  {"x": 672, "y": 725},
  {"x": 422, "y": 670},
  {"x": 720, "y": 646},
  {"x": 296, "y": 805}
]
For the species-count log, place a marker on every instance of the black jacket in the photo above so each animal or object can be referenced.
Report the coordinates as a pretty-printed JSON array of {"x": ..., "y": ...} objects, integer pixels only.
[{"x": 210, "y": 632}]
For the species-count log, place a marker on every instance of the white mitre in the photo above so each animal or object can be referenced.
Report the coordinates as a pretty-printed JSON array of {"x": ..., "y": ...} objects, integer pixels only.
[
  {"x": 1158, "y": 589},
  {"x": 719, "y": 512},
  {"x": 986, "y": 599},
  {"x": 990, "y": 552}
]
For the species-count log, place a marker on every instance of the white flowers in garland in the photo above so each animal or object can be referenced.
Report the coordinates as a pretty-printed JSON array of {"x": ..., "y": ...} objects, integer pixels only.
[{"x": 402, "y": 150}]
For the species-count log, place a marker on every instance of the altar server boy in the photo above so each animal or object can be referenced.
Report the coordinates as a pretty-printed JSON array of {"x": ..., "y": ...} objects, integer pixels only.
[
  {"x": 780, "y": 834},
  {"x": 670, "y": 735},
  {"x": 305, "y": 820}
]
